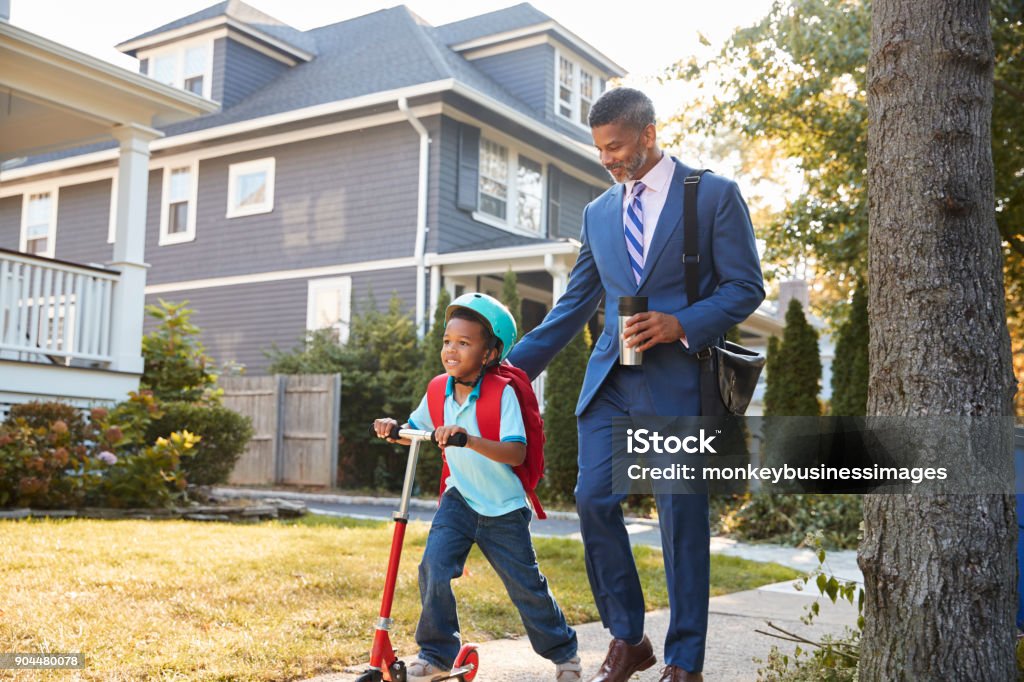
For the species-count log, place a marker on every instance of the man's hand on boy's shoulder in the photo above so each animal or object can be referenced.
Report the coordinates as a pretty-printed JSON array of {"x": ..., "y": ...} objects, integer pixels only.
[{"x": 443, "y": 433}]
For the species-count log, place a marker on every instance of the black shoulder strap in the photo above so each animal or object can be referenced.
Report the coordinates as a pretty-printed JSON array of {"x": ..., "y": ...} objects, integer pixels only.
[{"x": 691, "y": 255}]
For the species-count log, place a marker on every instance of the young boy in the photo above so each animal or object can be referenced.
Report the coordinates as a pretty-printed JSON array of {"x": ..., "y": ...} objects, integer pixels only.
[{"x": 484, "y": 502}]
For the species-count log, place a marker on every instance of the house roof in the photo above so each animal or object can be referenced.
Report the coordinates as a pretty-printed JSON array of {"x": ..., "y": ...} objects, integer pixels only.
[
  {"x": 379, "y": 52},
  {"x": 234, "y": 9},
  {"x": 500, "y": 21}
]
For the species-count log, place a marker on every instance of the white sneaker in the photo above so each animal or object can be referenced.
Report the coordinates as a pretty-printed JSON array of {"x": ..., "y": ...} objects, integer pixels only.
[
  {"x": 570, "y": 671},
  {"x": 418, "y": 670}
]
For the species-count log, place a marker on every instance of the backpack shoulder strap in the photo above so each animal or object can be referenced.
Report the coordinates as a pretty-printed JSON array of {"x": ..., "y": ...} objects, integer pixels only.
[
  {"x": 488, "y": 406},
  {"x": 435, "y": 404},
  {"x": 691, "y": 252},
  {"x": 435, "y": 399}
]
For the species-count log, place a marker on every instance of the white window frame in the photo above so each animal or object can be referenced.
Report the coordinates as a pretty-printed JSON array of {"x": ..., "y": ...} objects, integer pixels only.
[
  {"x": 51, "y": 235},
  {"x": 343, "y": 284},
  {"x": 178, "y": 50},
  {"x": 190, "y": 231},
  {"x": 266, "y": 165},
  {"x": 577, "y": 83},
  {"x": 510, "y": 223}
]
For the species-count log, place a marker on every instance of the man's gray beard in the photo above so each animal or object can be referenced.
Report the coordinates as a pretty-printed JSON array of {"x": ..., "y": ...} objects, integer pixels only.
[{"x": 635, "y": 164}]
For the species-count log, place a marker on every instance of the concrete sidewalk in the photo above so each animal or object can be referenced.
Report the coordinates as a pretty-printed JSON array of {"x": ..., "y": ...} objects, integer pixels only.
[{"x": 732, "y": 645}]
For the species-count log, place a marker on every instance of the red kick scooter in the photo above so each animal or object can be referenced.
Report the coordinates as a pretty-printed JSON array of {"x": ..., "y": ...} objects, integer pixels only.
[{"x": 384, "y": 663}]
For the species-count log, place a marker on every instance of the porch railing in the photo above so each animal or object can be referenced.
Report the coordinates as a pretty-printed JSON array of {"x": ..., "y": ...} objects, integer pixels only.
[{"x": 54, "y": 311}]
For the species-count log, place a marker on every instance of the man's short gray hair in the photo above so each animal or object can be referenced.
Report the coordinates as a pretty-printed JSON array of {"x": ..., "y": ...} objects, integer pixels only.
[{"x": 622, "y": 105}]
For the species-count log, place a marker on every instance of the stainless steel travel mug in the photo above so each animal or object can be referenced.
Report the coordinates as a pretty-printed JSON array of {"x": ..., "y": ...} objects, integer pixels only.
[{"x": 629, "y": 306}]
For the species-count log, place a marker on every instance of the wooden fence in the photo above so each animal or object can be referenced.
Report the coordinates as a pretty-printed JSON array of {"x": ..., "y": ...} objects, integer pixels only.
[{"x": 295, "y": 428}]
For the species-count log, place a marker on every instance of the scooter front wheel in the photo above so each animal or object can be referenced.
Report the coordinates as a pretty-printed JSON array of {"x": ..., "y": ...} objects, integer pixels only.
[
  {"x": 371, "y": 676},
  {"x": 467, "y": 663}
]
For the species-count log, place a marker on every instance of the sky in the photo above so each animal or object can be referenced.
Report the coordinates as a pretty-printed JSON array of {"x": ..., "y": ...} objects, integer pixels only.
[{"x": 643, "y": 43}]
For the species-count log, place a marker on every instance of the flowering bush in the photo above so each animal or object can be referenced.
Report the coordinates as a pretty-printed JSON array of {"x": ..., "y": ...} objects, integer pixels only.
[{"x": 51, "y": 457}]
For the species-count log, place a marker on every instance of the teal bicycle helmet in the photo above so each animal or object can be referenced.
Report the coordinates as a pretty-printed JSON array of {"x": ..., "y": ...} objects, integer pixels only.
[{"x": 502, "y": 325}]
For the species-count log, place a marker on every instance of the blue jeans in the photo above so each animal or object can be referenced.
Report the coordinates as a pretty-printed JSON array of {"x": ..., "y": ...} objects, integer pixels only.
[{"x": 505, "y": 542}]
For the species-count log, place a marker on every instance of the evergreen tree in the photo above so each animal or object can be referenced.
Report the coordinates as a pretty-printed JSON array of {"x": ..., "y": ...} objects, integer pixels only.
[
  {"x": 850, "y": 366},
  {"x": 510, "y": 297},
  {"x": 797, "y": 374},
  {"x": 771, "y": 370},
  {"x": 428, "y": 471},
  {"x": 561, "y": 391}
]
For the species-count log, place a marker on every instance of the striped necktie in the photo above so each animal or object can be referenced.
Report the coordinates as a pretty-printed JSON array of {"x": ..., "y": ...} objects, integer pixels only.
[{"x": 634, "y": 224}]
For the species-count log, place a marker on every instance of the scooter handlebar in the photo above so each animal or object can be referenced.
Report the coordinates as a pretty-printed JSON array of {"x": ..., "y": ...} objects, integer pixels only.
[{"x": 456, "y": 439}]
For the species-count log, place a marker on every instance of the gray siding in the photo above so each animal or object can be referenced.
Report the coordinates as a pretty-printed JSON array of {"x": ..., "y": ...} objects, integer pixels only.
[
  {"x": 83, "y": 219},
  {"x": 10, "y": 222},
  {"x": 340, "y": 199},
  {"x": 575, "y": 195},
  {"x": 238, "y": 71},
  {"x": 528, "y": 74},
  {"x": 238, "y": 323}
]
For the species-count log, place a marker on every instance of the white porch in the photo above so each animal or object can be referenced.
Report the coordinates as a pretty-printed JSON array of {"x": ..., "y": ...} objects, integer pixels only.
[{"x": 71, "y": 331}]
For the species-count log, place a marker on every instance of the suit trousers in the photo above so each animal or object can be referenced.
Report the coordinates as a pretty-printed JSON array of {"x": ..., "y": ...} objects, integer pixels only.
[{"x": 684, "y": 522}]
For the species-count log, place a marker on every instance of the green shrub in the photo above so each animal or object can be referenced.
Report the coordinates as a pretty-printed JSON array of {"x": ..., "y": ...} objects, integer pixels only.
[
  {"x": 104, "y": 461},
  {"x": 176, "y": 368},
  {"x": 787, "y": 519},
  {"x": 561, "y": 393},
  {"x": 224, "y": 434},
  {"x": 428, "y": 470}
]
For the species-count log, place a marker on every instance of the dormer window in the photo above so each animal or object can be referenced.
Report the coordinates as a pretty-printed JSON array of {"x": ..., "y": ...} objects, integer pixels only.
[
  {"x": 188, "y": 66},
  {"x": 577, "y": 89}
]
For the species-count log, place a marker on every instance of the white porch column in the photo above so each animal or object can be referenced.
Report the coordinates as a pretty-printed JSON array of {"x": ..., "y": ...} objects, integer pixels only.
[
  {"x": 559, "y": 272},
  {"x": 129, "y": 295}
]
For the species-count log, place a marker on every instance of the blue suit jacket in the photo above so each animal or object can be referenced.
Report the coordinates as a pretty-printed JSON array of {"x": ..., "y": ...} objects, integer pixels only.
[{"x": 730, "y": 283}]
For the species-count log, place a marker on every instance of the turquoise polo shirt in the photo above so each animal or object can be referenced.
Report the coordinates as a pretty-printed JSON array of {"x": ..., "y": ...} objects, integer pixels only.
[{"x": 490, "y": 488}]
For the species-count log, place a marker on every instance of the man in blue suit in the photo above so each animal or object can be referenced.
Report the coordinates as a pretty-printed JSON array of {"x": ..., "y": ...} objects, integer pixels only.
[{"x": 632, "y": 245}]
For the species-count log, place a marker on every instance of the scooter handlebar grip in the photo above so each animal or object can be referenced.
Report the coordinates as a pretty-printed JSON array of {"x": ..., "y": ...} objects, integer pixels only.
[
  {"x": 394, "y": 434},
  {"x": 458, "y": 440}
]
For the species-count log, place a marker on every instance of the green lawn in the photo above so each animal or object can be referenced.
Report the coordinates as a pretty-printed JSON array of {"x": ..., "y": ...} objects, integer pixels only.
[{"x": 274, "y": 601}]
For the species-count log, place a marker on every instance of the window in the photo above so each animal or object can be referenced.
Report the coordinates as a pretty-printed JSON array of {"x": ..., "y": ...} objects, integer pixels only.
[
  {"x": 329, "y": 306},
  {"x": 39, "y": 223},
  {"x": 566, "y": 86},
  {"x": 188, "y": 66},
  {"x": 251, "y": 188},
  {"x": 178, "y": 210},
  {"x": 493, "y": 179},
  {"x": 576, "y": 91},
  {"x": 507, "y": 176}
]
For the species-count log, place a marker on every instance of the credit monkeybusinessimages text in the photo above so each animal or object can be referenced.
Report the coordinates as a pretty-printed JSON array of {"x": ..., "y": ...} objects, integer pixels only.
[{"x": 647, "y": 442}]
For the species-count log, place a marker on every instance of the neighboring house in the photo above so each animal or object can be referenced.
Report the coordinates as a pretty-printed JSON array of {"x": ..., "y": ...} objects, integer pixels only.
[
  {"x": 379, "y": 154},
  {"x": 69, "y": 330}
]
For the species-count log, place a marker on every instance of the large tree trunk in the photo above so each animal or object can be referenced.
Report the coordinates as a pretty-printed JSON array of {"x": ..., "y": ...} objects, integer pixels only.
[{"x": 939, "y": 570}]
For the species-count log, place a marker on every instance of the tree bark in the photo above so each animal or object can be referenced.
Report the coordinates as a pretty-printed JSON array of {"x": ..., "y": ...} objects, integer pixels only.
[{"x": 939, "y": 570}]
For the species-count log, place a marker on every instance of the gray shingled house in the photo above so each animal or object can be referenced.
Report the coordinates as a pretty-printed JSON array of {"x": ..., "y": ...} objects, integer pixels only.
[{"x": 376, "y": 154}]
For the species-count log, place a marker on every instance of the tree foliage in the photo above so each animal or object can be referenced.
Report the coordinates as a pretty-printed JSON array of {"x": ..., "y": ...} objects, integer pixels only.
[
  {"x": 850, "y": 366},
  {"x": 175, "y": 364},
  {"x": 792, "y": 88},
  {"x": 561, "y": 392},
  {"x": 510, "y": 297}
]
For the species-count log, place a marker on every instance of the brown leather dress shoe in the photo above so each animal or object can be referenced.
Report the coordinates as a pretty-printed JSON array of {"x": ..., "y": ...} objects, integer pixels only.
[
  {"x": 673, "y": 673},
  {"x": 623, "y": 660}
]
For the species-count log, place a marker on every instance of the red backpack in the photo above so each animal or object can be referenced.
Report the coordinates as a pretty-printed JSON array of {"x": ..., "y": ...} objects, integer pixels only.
[{"x": 488, "y": 416}]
